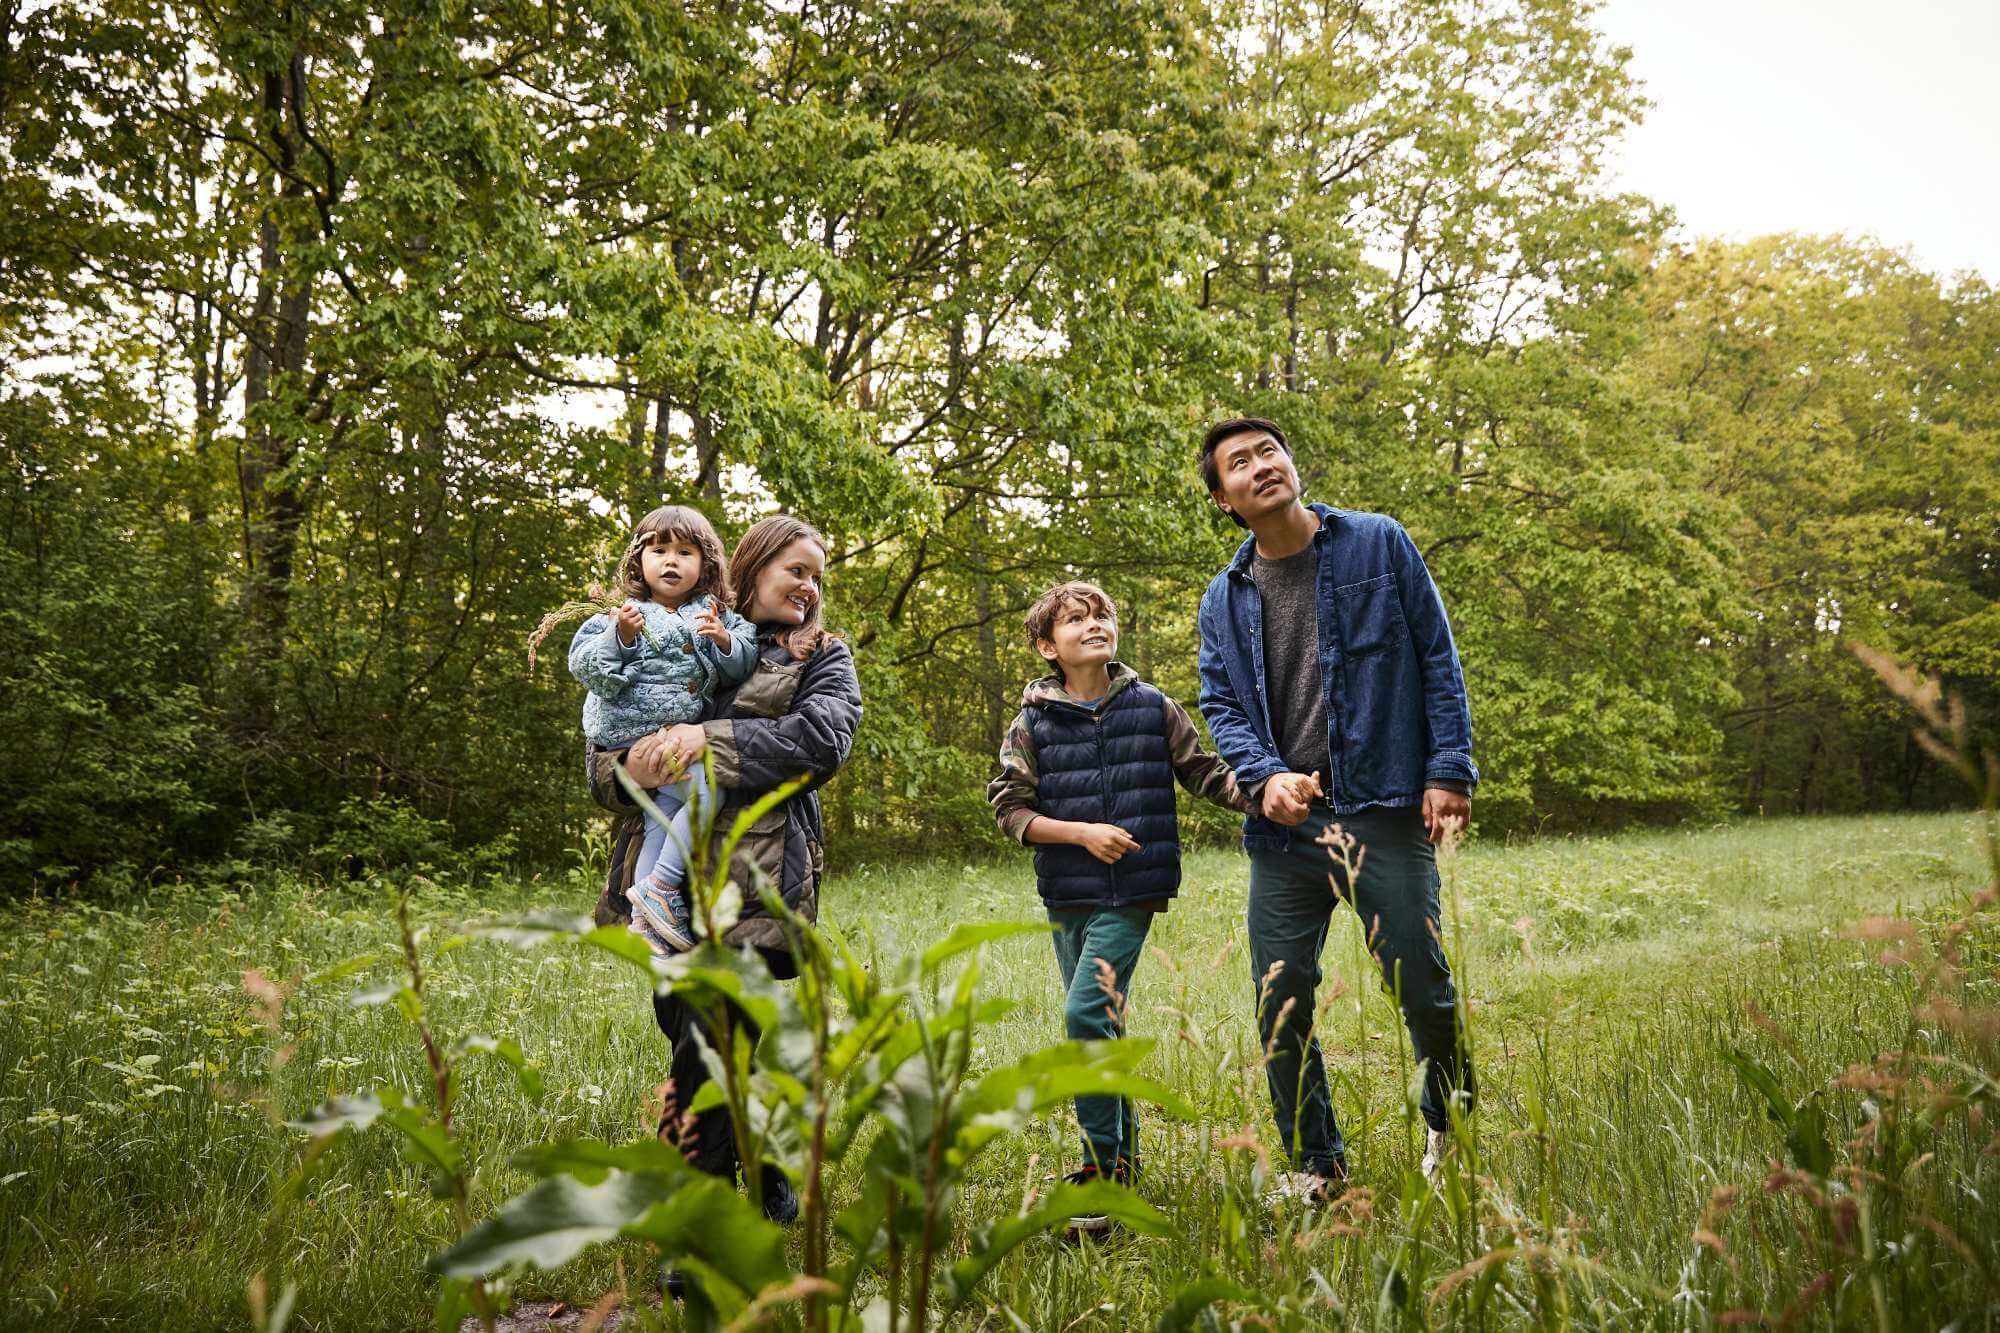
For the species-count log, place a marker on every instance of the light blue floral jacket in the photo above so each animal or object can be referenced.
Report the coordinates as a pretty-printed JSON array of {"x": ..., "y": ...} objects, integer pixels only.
[{"x": 666, "y": 676}]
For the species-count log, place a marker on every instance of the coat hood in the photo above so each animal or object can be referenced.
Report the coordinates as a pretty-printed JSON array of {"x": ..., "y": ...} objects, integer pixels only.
[{"x": 1049, "y": 689}]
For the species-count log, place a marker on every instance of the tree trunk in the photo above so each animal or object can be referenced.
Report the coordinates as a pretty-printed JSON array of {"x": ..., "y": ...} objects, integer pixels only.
[
  {"x": 273, "y": 502},
  {"x": 707, "y": 457},
  {"x": 657, "y": 469},
  {"x": 995, "y": 719}
]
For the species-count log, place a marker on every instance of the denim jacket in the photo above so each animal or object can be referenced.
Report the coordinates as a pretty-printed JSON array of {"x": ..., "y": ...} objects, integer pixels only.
[{"x": 1397, "y": 718}]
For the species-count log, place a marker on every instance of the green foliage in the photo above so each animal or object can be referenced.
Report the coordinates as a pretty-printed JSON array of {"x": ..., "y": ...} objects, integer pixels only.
[
  {"x": 188, "y": 1175},
  {"x": 103, "y": 646},
  {"x": 361, "y": 337}
]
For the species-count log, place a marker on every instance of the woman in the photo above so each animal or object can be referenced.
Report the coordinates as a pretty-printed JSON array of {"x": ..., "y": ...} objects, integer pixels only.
[{"x": 794, "y": 717}]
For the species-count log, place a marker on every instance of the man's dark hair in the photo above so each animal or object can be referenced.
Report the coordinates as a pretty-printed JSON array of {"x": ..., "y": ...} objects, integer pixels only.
[{"x": 1223, "y": 431}]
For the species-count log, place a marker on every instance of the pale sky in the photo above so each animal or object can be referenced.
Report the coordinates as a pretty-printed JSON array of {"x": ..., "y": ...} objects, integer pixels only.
[{"x": 1858, "y": 116}]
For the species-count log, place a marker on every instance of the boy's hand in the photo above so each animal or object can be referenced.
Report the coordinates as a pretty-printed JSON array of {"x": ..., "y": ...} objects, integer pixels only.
[
  {"x": 629, "y": 620},
  {"x": 1444, "y": 810},
  {"x": 709, "y": 625},
  {"x": 1288, "y": 795},
  {"x": 1106, "y": 842}
]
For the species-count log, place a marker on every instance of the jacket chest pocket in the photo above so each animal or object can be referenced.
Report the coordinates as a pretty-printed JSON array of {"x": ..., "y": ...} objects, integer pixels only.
[
  {"x": 769, "y": 691},
  {"x": 1371, "y": 616}
]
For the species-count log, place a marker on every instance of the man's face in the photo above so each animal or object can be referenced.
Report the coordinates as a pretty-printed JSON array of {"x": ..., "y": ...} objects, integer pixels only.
[
  {"x": 1254, "y": 476},
  {"x": 1083, "y": 636}
]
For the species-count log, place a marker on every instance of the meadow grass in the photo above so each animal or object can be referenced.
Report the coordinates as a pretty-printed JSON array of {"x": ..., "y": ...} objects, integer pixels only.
[{"x": 141, "y": 1107}]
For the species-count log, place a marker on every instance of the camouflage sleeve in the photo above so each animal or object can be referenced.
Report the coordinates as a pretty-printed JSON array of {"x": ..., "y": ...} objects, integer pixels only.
[
  {"x": 1013, "y": 792},
  {"x": 1202, "y": 772},
  {"x": 600, "y": 771}
]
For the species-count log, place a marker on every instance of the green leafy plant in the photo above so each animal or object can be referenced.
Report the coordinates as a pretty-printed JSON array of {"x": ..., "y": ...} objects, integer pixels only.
[{"x": 847, "y": 1056}]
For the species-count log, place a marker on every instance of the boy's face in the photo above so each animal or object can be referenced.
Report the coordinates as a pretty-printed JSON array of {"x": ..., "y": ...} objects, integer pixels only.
[
  {"x": 1084, "y": 635},
  {"x": 672, "y": 567},
  {"x": 1254, "y": 476}
]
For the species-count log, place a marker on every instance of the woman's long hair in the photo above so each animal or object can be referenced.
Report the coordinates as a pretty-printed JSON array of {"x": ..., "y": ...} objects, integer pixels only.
[
  {"x": 758, "y": 547},
  {"x": 676, "y": 523}
]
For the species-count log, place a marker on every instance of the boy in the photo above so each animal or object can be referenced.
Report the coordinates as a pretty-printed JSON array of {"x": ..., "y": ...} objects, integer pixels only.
[{"x": 1087, "y": 776}]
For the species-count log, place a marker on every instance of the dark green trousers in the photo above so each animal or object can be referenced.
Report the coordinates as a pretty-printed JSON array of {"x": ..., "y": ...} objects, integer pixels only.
[{"x": 1293, "y": 895}]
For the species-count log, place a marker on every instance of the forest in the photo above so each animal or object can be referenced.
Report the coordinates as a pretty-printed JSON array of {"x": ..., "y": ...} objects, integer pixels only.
[{"x": 337, "y": 347}]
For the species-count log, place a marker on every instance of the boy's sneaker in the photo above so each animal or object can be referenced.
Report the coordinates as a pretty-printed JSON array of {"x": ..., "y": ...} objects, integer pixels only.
[
  {"x": 1314, "y": 1189},
  {"x": 1437, "y": 1143},
  {"x": 663, "y": 907},
  {"x": 1092, "y": 1222}
]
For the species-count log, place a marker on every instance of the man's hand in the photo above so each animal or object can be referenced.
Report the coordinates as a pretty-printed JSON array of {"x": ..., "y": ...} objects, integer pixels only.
[
  {"x": 1444, "y": 810},
  {"x": 709, "y": 625},
  {"x": 630, "y": 621},
  {"x": 1288, "y": 795},
  {"x": 1106, "y": 842}
]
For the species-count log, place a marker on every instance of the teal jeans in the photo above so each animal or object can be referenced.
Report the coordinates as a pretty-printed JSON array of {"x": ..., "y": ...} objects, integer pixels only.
[
  {"x": 1084, "y": 936},
  {"x": 1293, "y": 895}
]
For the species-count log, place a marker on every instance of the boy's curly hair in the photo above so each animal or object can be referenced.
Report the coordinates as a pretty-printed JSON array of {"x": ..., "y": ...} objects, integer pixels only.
[
  {"x": 677, "y": 523},
  {"x": 1042, "y": 616}
]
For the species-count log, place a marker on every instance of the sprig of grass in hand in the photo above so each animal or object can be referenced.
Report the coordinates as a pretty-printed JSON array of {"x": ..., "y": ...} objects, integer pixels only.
[{"x": 599, "y": 603}]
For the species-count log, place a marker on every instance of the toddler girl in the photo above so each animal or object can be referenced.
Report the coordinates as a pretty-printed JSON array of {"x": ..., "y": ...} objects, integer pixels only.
[{"x": 655, "y": 661}]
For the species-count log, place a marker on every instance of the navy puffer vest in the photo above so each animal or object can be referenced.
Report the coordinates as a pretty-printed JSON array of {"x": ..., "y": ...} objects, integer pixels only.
[{"x": 1109, "y": 765}]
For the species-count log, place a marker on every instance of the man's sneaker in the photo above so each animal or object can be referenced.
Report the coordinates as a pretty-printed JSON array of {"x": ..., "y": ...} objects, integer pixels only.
[
  {"x": 1437, "y": 1143},
  {"x": 664, "y": 908},
  {"x": 781, "y": 1204},
  {"x": 1094, "y": 1222},
  {"x": 1312, "y": 1188}
]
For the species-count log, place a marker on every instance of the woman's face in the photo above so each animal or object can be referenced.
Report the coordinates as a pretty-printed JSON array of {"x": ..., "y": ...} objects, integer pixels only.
[{"x": 788, "y": 588}]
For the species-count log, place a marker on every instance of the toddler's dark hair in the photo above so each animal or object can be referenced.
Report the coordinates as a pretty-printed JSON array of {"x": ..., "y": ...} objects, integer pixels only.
[{"x": 677, "y": 523}]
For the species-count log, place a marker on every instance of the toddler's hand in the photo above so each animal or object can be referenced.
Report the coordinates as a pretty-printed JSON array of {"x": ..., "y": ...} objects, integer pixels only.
[
  {"x": 1107, "y": 842},
  {"x": 709, "y": 625},
  {"x": 630, "y": 621}
]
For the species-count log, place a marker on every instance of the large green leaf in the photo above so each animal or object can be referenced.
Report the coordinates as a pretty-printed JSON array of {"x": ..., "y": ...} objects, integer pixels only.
[
  {"x": 712, "y": 973},
  {"x": 1804, "y": 1122},
  {"x": 990, "y": 1244},
  {"x": 591, "y": 1160},
  {"x": 507, "y": 1051},
  {"x": 425, "y": 1141},
  {"x": 553, "y": 1222},
  {"x": 740, "y": 1252},
  {"x": 338, "y": 1113},
  {"x": 621, "y": 943},
  {"x": 967, "y": 937},
  {"x": 537, "y": 929},
  {"x": 1184, "y": 1311}
]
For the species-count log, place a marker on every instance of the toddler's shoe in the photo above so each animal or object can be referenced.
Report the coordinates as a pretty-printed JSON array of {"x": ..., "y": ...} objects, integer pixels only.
[
  {"x": 638, "y": 926},
  {"x": 663, "y": 907}
]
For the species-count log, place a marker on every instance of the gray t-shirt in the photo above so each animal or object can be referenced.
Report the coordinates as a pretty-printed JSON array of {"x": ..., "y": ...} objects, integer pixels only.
[{"x": 1289, "y": 589}]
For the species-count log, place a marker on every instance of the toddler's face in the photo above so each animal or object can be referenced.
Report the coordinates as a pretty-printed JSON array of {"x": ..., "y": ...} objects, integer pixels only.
[{"x": 672, "y": 568}]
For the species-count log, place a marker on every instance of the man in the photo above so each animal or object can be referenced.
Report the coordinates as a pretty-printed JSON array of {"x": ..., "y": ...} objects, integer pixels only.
[{"x": 1331, "y": 686}]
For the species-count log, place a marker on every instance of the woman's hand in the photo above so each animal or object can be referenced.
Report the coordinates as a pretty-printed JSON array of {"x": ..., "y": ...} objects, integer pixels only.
[
  {"x": 680, "y": 745},
  {"x": 660, "y": 757}
]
